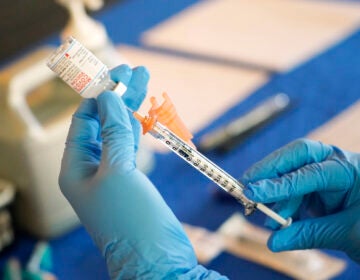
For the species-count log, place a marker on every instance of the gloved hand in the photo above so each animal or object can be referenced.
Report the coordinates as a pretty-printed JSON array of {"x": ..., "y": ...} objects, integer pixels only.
[
  {"x": 319, "y": 177},
  {"x": 125, "y": 215}
]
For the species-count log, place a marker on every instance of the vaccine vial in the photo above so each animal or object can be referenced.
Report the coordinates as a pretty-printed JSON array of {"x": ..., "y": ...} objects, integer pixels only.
[
  {"x": 82, "y": 70},
  {"x": 89, "y": 77}
]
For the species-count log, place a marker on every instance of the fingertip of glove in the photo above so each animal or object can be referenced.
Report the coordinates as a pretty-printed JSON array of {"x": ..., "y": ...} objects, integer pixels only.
[
  {"x": 120, "y": 70},
  {"x": 273, "y": 244},
  {"x": 245, "y": 180},
  {"x": 249, "y": 193},
  {"x": 253, "y": 191},
  {"x": 122, "y": 73},
  {"x": 143, "y": 71}
]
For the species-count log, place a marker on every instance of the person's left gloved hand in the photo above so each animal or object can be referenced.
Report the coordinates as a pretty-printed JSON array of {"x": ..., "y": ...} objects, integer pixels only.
[{"x": 125, "y": 215}]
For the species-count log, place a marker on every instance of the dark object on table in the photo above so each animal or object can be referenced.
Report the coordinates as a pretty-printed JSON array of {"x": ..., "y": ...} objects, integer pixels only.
[{"x": 226, "y": 138}]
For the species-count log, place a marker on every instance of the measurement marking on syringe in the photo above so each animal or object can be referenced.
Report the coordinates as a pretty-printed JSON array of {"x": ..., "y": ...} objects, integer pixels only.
[
  {"x": 232, "y": 188},
  {"x": 208, "y": 169},
  {"x": 204, "y": 167}
]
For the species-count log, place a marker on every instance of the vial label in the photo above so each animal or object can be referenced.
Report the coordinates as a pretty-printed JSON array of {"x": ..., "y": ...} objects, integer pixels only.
[{"x": 76, "y": 65}]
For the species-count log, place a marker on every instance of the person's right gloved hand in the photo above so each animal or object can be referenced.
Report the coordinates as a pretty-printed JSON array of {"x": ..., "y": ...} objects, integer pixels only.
[
  {"x": 134, "y": 228},
  {"x": 325, "y": 180}
]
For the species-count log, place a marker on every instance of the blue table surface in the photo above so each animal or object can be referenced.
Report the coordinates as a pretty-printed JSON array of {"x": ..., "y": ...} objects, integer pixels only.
[{"x": 321, "y": 88}]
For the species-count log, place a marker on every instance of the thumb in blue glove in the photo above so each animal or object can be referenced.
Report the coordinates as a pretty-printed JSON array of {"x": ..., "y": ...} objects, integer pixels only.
[
  {"x": 320, "y": 178},
  {"x": 135, "y": 230}
]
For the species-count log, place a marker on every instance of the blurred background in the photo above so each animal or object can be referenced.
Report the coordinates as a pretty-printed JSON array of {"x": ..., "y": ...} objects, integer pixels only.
[
  {"x": 26, "y": 23},
  {"x": 222, "y": 62}
]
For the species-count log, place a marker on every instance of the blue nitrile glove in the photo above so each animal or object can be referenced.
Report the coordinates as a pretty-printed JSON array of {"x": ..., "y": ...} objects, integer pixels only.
[
  {"x": 125, "y": 215},
  {"x": 319, "y": 177}
]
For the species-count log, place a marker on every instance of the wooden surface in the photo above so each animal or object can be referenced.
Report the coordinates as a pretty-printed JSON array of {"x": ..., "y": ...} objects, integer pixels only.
[
  {"x": 201, "y": 91},
  {"x": 341, "y": 131},
  {"x": 276, "y": 34},
  {"x": 240, "y": 238}
]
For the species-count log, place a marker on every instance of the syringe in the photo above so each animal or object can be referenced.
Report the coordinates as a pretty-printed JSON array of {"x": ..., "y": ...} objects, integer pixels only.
[
  {"x": 207, "y": 167},
  {"x": 87, "y": 75}
]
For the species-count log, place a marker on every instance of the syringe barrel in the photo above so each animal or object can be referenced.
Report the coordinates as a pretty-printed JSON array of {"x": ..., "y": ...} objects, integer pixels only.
[
  {"x": 212, "y": 171},
  {"x": 203, "y": 165}
]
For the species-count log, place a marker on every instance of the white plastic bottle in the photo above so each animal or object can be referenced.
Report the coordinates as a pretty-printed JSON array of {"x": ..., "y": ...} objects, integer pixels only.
[{"x": 91, "y": 33}]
